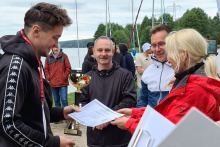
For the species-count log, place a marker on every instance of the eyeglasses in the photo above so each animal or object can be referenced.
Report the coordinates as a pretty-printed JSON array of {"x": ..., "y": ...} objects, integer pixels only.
[{"x": 160, "y": 45}]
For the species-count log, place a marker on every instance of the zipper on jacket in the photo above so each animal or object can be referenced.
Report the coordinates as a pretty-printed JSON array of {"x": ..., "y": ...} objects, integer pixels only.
[{"x": 160, "y": 84}]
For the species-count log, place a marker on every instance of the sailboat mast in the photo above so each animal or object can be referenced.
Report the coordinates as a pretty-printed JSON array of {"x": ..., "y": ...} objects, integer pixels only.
[
  {"x": 153, "y": 15},
  {"x": 133, "y": 22},
  {"x": 77, "y": 32},
  {"x": 106, "y": 19}
]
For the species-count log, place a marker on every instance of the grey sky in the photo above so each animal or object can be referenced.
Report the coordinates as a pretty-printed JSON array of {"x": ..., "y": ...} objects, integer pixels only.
[{"x": 92, "y": 12}]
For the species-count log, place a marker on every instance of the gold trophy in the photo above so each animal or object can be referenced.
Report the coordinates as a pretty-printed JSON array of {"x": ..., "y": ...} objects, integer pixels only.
[{"x": 79, "y": 81}]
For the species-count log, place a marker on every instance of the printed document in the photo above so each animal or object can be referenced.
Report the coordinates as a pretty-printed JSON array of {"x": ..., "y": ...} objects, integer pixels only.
[{"x": 95, "y": 113}]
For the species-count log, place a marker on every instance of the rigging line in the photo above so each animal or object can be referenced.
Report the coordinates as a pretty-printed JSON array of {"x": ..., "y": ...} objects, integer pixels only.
[
  {"x": 77, "y": 32},
  {"x": 134, "y": 24},
  {"x": 110, "y": 31},
  {"x": 164, "y": 13}
]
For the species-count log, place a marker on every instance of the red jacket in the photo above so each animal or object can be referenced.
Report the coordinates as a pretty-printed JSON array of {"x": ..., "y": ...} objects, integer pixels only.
[
  {"x": 200, "y": 92},
  {"x": 57, "y": 70}
]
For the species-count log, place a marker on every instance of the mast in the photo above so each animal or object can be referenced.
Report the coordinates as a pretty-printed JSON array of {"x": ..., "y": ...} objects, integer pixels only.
[
  {"x": 153, "y": 15},
  {"x": 135, "y": 23},
  {"x": 132, "y": 2},
  {"x": 77, "y": 32},
  {"x": 106, "y": 20},
  {"x": 161, "y": 12}
]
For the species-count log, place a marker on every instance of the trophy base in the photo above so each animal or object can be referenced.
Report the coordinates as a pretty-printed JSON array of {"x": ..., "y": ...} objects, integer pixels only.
[{"x": 72, "y": 132}]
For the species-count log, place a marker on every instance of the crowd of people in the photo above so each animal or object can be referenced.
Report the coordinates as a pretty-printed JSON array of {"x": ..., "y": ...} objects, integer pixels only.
[{"x": 174, "y": 74}]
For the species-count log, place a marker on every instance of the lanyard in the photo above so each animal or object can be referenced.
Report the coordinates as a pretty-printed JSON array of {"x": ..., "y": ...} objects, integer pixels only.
[{"x": 38, "y": 59}]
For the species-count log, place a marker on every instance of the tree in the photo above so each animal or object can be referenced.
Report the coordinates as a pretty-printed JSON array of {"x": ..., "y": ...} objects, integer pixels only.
[
  {"x": 215, "y": 27},
  {"x": 145, "y": 37},
  {"x": 190, "y": 20},
  {"x": 121, "y": 37},
  {"x": 99, "y": 32},
  {"x": 203, "y": 27},
  {"x": 196, "y": 18}
]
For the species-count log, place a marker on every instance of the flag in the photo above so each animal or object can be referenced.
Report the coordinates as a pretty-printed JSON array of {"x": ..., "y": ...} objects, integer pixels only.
[{"x": 218, "y": 5}]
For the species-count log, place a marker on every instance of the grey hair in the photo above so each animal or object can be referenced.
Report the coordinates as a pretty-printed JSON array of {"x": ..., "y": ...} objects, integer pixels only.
[{"x": 105, "y": 38}]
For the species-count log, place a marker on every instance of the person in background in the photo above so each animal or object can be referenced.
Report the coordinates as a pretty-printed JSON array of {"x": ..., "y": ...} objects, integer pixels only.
[
  {"x": 128, "y": 59},
  {"x": 157, "y": 75},
  {"x": 117, "y": 56},
  {"x": 90, "y": 60},
  {"x": 142, "y": 62},
  {"x": 117, "y": 49},
  {"x": 57, "y": 70},
  {"x": 25, "y": 105},
  {"x": 196, "y": 84},
  {"x": 113, "y": 86}
]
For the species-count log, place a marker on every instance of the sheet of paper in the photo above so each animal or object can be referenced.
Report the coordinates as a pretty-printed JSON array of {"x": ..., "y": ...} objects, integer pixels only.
[
  {"x": 155, "y": 128},
  {"x": 194, "y": 129},
  {"x": 95, "y": 113}
]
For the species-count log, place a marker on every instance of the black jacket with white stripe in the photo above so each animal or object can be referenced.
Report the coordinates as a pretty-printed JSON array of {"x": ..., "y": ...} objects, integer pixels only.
[{"x": 21, "y": 120}]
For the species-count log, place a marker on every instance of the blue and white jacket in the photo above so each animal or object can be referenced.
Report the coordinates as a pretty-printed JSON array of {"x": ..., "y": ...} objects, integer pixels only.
[{"x": 154, "y": 81}]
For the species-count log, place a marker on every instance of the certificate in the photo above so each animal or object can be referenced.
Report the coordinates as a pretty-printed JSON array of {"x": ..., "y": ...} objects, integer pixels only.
[{"x": 95, "y": 113}]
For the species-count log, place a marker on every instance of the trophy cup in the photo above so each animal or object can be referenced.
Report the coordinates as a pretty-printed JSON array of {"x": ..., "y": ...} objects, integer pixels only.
[{"x": 79, "y": 81}]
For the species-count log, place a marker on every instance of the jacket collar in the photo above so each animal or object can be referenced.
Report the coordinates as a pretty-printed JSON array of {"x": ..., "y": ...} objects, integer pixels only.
[
  {"x": 181, "y": 79},
  {"x": 106, "y": 72},
  {"x": 158, "y": 63}
]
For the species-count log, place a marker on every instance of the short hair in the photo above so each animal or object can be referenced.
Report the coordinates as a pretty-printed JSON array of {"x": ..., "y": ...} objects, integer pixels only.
[
  {"x": 113, "y": 40},
  {"x": 47, "y": 16},
  {"x": 195, "y": 44},
  {"x": 90, "y": 51},
  {"x": 161, "y": 27},
  {"x": 103, "y": 37}
]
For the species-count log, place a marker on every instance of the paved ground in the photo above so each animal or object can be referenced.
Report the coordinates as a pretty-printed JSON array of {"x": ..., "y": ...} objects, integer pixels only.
[{"x": 80, "y": 141}]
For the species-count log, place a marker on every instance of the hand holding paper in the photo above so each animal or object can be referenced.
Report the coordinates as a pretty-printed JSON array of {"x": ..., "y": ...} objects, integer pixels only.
[
  {"x": 120, "y": 122},
  {"x": 94, "y": 114}
]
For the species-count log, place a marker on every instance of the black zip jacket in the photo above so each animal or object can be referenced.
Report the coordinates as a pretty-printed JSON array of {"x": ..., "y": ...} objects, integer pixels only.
[
  {"x": 21, "y": 122},
  {"x": 116, "y": 89}
]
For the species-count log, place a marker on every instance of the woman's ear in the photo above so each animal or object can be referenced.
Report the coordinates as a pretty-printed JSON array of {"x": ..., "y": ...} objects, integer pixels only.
[{"x": 184, "y": 55}]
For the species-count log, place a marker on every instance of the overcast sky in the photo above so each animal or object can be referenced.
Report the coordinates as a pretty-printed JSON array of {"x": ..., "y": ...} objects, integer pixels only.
[{"x": 92, "y": 12}]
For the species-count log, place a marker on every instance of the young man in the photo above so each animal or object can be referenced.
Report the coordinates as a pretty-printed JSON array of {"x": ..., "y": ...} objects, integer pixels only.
[
  {"x": 25, "y": 112},
  {"x": 114, "y": 87}
]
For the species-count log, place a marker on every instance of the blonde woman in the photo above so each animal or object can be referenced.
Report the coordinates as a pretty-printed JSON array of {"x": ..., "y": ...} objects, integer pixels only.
[{"x": 196, "y": 83}]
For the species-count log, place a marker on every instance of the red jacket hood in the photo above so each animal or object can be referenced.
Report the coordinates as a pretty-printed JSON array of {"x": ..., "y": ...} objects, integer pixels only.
[{"x": 211, "y": 85}]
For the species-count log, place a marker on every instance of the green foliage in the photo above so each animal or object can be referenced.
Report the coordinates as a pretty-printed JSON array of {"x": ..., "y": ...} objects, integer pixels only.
[
  {"x": 195, "y": 18},
  {"x": 121, "y": 37},
  {"x": 100, "y": 31}
]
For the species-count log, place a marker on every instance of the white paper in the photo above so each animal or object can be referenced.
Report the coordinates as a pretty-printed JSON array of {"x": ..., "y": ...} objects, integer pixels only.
[
  {"x": 156, "y": 125},
  {"x": 195, "y": 129},
  {"x": 95, "y": 113}
]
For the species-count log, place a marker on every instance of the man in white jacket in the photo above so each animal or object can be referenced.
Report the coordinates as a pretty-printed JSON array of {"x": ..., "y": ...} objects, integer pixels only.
[{"x": 156, "y": 77}]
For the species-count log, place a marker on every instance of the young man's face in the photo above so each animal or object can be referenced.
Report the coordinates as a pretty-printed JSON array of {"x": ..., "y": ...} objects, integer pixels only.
[
  {"x": 46, "y": 40},
  {"x": 158, "y": 44},
  {"x": 103, "y": 52}
]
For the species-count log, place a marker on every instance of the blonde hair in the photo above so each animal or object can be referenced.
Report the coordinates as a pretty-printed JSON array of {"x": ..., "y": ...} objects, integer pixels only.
[
  {"x": 211, "y": 69},
  {"x": 195, "y": 45}
]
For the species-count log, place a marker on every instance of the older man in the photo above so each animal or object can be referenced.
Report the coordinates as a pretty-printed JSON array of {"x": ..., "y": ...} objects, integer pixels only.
[{"x": 114, "y": 87}]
